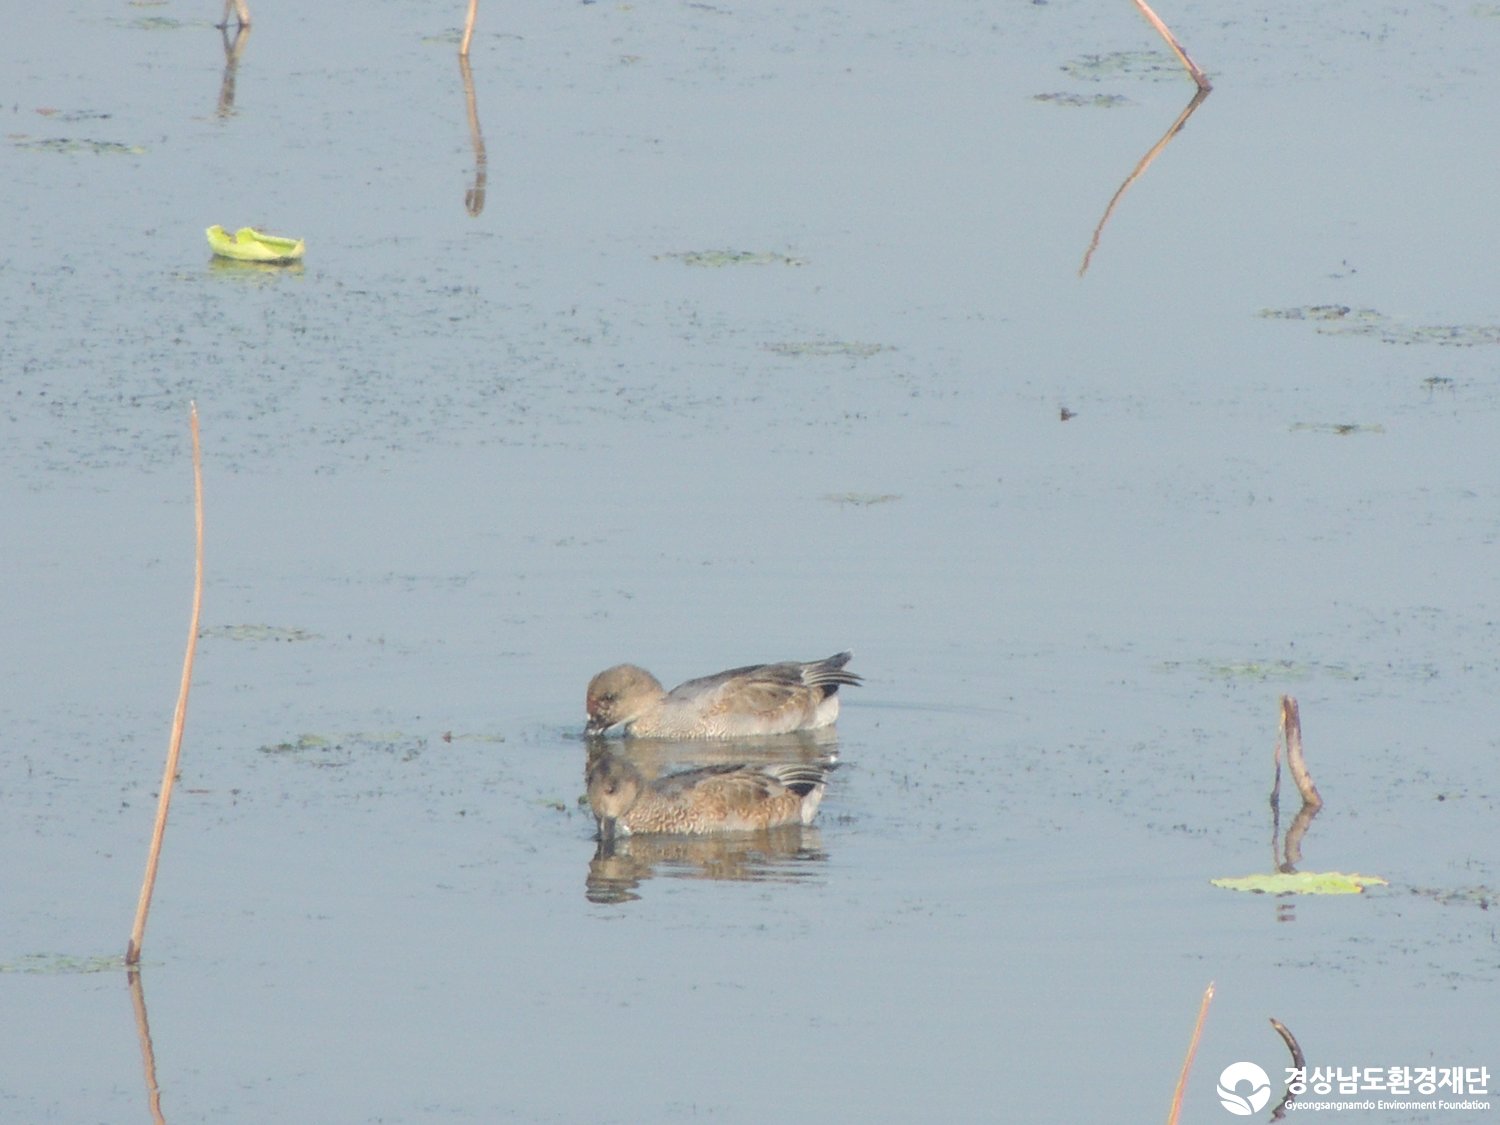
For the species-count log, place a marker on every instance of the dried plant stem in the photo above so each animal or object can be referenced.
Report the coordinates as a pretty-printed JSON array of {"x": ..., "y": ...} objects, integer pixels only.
[
  {"x": 1291, "y": 728},
  {"x": 474, "y": 197},
  {"x": 1187, "y": 1063},
  {"x": 1279, "y": 1113},
  {"x": 1165, "y": 32},
  {"x": 463, "y": 48},
  {"x": 148, "y": 1053},
  {"x": 133, "y": 950},
  {"x": 241, "y": 12}
]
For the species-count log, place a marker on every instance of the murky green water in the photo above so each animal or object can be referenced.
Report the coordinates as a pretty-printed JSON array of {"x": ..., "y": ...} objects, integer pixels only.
[{"x": 768, "y": 340}]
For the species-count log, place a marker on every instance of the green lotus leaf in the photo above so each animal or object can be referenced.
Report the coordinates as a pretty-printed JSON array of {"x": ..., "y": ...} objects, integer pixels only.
[
  {"x": 247, "y": 245},
  {"x": 1303, "y": 883}
]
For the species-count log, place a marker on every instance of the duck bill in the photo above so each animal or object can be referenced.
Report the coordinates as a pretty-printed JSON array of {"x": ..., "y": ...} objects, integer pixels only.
[
  {"x": 596, "y": 726},
  {"x": 606, "y": 828}
]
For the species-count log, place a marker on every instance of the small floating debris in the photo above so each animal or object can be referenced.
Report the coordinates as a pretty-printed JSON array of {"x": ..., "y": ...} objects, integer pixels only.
[
  {"x": 860, "y": 499},
  {"x": 1341, "y": 428},
  {"x": 829, "y": 347},
  {"x": 1302, "y": 883},
  {"x": 1341, "y": 320},
  {"x": 258, "y": 633},
  {"x": 1099, "y": 101},
  {"x": 71, "y": 144},
  {"x": 248, "y": 245},
  {"x": 718, "y": 258},
  {"x": 59, "y": 963}
]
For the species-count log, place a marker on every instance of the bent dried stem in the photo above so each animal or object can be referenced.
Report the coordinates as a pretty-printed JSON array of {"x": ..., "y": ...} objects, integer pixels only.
[
  {"x": 474, "y": 197},
  {"x": 1187, "y": 1063},
  {"x": 1162, "y": 29},
  {"x": 1291, "y": 728},
  {"x": 143, "y": 907},
  {"x": 1279, "y": 1113},
  {"x": 1140, "y": 168}
]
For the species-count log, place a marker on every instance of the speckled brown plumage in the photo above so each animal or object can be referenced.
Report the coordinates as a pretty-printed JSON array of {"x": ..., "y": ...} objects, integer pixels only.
[
  {"x": 760, "y": 699},
  {"x": 722, "y": 798}
]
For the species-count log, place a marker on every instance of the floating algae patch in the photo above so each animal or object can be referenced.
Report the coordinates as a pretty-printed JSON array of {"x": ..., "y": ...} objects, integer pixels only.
[
  {"x": 1152, "y": 65},
  {"x": 1341, "y": 320},
  {"x": 1341, "y": 428},
  {"x": 719, "y": 258},
  {"x": 1264, "y": 671},
  {"x": 167, "y": 23},
  {"x": 70, "y": 144},
  {"x": 331, "y": 751},
  {"x": 60, "y": 963},
  {"x": 829, "y": 347},
  {"x": 1302, "y": 883},
  {"x": 1260, "y": 670},
  {"x": 259, "y": 633},
  {"x": 860, "y": 499},
  {"x": 1482, "y": 897},
  {"x": 1100, "y": 101},
  {"x": 76, "y": 115}
]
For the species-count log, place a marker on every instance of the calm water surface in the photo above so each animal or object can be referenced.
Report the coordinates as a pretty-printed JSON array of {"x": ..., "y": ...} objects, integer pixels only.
[{"x": 457, "y": 464}]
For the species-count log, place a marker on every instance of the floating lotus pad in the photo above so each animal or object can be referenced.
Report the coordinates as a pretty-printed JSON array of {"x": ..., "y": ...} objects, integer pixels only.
[
  {"x": 1303, "y": 883},
  {"x": 247, "y": 245}
]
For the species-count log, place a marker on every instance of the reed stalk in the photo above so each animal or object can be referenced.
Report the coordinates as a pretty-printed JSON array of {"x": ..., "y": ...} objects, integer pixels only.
[
  {"x": 143, "y": 907},
  {"x": 1187, "y": 1063}
]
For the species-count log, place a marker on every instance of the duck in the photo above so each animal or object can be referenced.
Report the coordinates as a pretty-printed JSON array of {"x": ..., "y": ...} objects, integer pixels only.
[
  {"x": 759, "y": 699},
  {"x": 732, "y": 797}
]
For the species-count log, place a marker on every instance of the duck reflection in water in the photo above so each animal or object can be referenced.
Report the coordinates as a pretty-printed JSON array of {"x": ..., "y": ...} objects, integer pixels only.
[
  {"x": 789, "y": 854},
  {"x": 725, "y": 820}
]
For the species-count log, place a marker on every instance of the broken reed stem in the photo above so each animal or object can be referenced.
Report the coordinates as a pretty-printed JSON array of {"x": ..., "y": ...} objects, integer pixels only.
[
  {"x": 1187, "y": 1063},
  {"x": 1279, "y": 1113},
  {"x": 1291, "y": 725},
  {"x": 463, "y": 48},
  {"x": 133, "y": 950},
  {"x": 1162, "y": 29}
]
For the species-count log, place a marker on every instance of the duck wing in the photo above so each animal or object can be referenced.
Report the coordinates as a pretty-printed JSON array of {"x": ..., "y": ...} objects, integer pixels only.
[{"x": 766, "y": 688}]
